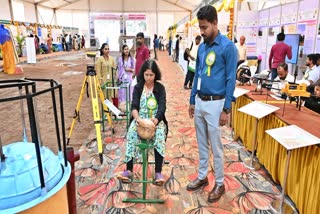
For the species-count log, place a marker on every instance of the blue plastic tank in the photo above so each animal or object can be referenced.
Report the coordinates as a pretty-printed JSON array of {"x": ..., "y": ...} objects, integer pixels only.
[{"x": 19, "y": 175}]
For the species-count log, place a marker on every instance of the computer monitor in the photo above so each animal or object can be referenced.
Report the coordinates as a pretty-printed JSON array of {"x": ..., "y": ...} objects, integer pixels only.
[{"x": 293, "y": 41}]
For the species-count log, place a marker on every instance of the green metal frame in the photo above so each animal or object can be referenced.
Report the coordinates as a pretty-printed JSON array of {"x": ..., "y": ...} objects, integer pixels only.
[
  {"x": 144, "y": 147},
  {"x": 108, "y": 86}
]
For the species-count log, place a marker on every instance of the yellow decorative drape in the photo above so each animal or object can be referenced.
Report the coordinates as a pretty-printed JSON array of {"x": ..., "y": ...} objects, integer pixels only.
[
  {"x": 228, "y": 6},
  {"x": 9, "y": 64},
  {"x": 303, "y": 183}
]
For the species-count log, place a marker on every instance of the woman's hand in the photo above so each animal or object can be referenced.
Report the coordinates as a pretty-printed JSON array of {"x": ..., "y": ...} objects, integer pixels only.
[
  {"x": 128, "y": 70},
  {"x": 138, "y": 120},
  {"x": 155, "y": 121}
]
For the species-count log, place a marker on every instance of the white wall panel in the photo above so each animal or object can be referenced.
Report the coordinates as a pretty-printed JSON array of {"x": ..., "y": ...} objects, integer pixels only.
[
  {"x": 5, "y": 10},
  {"x": 30, "y": 12},
  {"x": 46, "y": 16},
  {"x": 165, "y": 21},
  {"x": 81, "y": 20},
  {"x": 64, "y": 18},
  {"x": 151, "y": 24},
  {"x": 18, "y": 11},
  {"x": 78, "y": 19}
]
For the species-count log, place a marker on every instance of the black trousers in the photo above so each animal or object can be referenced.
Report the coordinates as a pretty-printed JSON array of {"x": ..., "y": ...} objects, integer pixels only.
[
  {"x": 177, "y": 55},
  {"x": 158, "y": 162},
  {"x": 189, "y": 78}
]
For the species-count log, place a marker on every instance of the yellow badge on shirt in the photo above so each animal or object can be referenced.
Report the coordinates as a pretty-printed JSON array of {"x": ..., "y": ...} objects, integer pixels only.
[
  {"x": 152, "y": 104},
  {"x": 210, "y": 59}
]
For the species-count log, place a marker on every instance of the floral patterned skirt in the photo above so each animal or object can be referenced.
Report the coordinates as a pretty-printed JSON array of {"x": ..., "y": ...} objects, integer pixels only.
[{"x": 159, "y": 141}]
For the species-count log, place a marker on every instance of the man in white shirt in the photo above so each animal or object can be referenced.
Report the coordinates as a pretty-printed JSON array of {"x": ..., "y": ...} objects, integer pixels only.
[
  {"x": 173, "y": 48},
  {"x": 242, "y": 50},
  {"x": 312, "y": 73},
  {"x": 282, "y": 79},
  {"x": 192, "y": 63}
]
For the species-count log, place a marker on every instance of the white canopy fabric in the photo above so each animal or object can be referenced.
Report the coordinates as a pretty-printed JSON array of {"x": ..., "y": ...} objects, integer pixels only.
[
  {"x": 119, "y": 5},
  {"x": 142, "y": 5}
]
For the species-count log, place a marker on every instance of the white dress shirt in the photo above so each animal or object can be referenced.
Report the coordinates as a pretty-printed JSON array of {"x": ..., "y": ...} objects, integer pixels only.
[
  {"x": 242, "y": 51},
  {"x": 280, "y": 85}
]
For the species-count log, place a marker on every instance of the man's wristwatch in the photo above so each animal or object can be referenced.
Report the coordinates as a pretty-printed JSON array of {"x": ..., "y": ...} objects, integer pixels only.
[{"x": 226, "y": 110}]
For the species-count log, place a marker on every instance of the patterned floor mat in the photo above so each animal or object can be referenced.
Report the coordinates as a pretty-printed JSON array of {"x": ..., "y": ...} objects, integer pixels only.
[{"x": 98, "y": 190}]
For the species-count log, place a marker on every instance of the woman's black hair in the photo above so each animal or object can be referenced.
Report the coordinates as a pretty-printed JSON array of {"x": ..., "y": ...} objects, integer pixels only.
[
  {"x": 149, "y": 64},
  {"x": 102, "y": 47},
  {"x": 122, "y": 54}
]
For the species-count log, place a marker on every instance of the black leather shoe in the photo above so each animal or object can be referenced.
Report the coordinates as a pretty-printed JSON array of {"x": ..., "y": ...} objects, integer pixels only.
[
  {"x": 216, "y": 193},
  {"x": 197, "y": 184}
]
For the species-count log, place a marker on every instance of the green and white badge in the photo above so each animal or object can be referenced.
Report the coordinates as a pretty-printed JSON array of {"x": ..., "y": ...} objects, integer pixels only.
[
  {"x": 152, "y": 104},
  {"x": 210, "y": 59}
]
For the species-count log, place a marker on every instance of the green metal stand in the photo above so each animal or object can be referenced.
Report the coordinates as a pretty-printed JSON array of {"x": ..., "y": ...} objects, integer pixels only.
[
  {"x": 144, "y": 147},
  {"x": 126, "y": 116}
]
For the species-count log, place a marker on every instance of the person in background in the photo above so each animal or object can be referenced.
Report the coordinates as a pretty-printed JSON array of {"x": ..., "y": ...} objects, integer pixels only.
[
  {"x": 318, "y": 59},
  {"x": 173, "y": 48},
  {"x": 75, "y": 42},
  {"x": 155, "y": 46},
  {"x": 211, "y": 97},
  {"x": 104, "y": 66},
  {"x": 63, "y": 43},
  {"x": 282, "y": 79},
  {"x": 70, "y": 45},
  {"x": 313, "y": 102},
  {"x": 169, "y": 45},
  {"x": 192, "y": 63},
  {"x": 312, "y": 73},
  {"x": 126, "y": 68},
  {"x": 179, "y": 38},
  {"x": 164, "y": 43},
  {"x": 242, "y": 50},
  {"x": 148, "y": 88},
  {"x": 79, "y": 42},
  {"x": 44, "y": 48},
  {"x": 37, "y": 44},
  {"x": 83, "y": 42},
  {"x": 49, "y": 43},
  {"x": 278, "y": 54},
  {"x": 160, "y": 43},
  {"x": 142, "y": 53}
]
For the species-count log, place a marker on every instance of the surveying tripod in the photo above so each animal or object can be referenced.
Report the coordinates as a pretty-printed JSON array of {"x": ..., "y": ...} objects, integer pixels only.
[{"x": 95, "y": 91}]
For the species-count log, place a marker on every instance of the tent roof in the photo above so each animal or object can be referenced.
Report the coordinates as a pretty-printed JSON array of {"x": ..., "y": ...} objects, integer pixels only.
[{"x": 119, "y": 6}]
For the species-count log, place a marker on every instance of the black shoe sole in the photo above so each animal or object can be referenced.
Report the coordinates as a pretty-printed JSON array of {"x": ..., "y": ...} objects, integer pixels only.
[
  {"x": 159, "y": 183},
  {"x": 124, "y": 180},
  {"x": 193, "y": 189}
]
